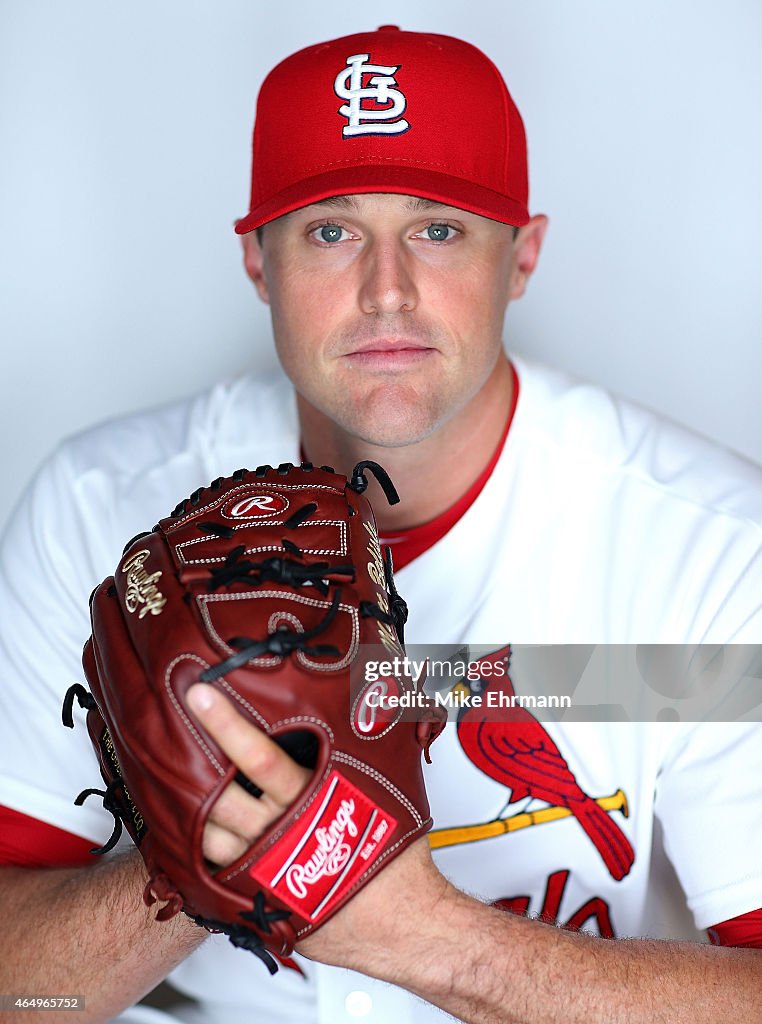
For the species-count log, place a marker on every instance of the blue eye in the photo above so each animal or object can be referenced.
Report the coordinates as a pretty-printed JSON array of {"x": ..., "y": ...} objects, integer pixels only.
[
  {"x": 330, "y": 233},
  {"x": 439, "y": 232}
]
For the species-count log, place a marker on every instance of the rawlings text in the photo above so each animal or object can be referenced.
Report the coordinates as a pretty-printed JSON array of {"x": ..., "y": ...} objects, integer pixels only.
[
  {"x": 387, "y": 634},
  {"x": 330, "y": 854},
  {"x": 141, "y": 587}
]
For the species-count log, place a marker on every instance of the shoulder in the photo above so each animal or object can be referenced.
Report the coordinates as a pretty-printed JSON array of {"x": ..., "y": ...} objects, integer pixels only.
[
  {"x": 657, "y": 530},
  {"x": 224, "y": 418},
  {"x": 603, "y": 436},
  {"x": 120, "y": 477}
]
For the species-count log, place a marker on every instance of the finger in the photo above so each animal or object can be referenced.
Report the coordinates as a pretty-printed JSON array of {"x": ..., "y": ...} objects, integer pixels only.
[
  {"x": 236, "y": 821},
  {"x": 252, "y": 750},
  {"x": 238, "y": 812},
  {"x": 221, "y": 846}
]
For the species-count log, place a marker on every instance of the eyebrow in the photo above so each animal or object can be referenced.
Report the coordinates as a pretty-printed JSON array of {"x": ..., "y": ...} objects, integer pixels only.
[{"x": 423, "y": 204}]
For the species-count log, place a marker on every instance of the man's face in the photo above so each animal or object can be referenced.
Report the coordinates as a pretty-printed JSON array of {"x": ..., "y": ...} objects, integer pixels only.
[{"x": 387, "y": 310}]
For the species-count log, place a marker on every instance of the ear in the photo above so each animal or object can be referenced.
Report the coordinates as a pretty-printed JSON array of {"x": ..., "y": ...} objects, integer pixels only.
[
  {"x": 253, "y": 261},
  {"x": 526, "y": 252}
]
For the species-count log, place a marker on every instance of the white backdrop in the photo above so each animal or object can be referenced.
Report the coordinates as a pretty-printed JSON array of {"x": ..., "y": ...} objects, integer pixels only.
[{"x": 124, "y": 158}]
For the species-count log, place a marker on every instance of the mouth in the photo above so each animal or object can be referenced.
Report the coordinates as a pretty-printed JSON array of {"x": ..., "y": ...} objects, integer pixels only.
[
  {"x": 389, "y": 345},
  {"x": 388, "y": 353}
]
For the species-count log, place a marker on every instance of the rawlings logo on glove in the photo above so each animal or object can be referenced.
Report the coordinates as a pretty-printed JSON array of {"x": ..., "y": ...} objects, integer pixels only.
[{"x": 270, "y": 586}]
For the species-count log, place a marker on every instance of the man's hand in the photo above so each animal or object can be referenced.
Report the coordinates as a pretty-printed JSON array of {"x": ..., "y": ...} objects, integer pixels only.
[{"x": 354, "y": 935}]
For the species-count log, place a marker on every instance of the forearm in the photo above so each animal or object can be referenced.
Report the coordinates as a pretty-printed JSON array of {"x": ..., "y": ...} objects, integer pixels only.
[
  {"x": 486, "y": 966},
  {"x": 86, "y": 931}
]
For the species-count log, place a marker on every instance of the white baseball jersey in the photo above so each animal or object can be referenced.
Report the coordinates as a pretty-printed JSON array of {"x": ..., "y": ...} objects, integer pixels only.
[{"x": 601, "y": 524}]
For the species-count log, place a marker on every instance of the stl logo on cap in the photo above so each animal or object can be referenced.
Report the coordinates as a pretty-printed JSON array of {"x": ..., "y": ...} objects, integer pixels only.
[{"x": 364, "y": 119}]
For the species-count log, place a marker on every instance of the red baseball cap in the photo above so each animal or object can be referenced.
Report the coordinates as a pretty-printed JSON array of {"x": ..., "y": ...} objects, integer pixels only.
[{"x": 388, "y": 111}]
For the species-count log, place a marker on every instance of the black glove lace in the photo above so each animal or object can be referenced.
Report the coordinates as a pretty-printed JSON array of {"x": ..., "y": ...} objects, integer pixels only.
[
  {"x": 359, "y": 481},
  {"x": 84, "y": 699},
  {"x": 242, "y": 936},
  {"x": 282, "y": 642},
  {"x": 276, "y": 569},
  {"x": 112, "y": 805}
]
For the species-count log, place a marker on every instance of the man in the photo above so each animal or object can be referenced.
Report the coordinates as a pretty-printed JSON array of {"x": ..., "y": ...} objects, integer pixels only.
[{"x": 388, "y": 233}]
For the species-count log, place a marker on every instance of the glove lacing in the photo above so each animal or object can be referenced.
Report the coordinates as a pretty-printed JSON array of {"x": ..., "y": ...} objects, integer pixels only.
[
  {"x": 276, "y": 569},
  {"x": 84, "y": 698},
  {"x": 282, "y": 642},
  {"x": 243, "y": 937},
  {"x": 113, "y": 805}
]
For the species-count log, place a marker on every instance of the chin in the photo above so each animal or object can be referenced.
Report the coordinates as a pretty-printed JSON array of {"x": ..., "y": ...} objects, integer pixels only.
[
  {"x": 390, "y": 416},
  {"x": 390, "y": 432}
]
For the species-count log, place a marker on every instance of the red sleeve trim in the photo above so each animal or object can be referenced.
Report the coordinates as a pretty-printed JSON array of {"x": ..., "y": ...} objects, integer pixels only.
[
  {"x": 29, "y": 843},
  {"x": 745, "y": 930}
]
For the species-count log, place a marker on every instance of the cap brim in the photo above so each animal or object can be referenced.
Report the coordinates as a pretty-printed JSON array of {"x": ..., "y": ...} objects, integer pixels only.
[{"x": 367, "y": 178}]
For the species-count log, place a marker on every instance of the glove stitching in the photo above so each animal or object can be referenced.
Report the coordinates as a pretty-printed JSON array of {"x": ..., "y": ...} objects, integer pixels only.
[
  {"x": 223, "y": 498},
  {"x": 220, "y": 500},
  {"x": 353, "y": 762},
  {"x": 220, "y": 558},
  {"x": 253, "y": 551},
  {"x": 178, "y": 707},
  {"x": 203, "y": 600},
  {"x": 306, "y": 718},
  {"x": 379, "y": 735},
  {"x": 253, "y": 711},
  {"x": 302, "y": 658},
  {"x": 340, "y": 551}
]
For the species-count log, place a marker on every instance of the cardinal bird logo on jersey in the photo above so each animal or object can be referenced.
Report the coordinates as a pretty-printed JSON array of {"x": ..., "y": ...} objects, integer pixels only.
[{"x": 512, "y": 747}]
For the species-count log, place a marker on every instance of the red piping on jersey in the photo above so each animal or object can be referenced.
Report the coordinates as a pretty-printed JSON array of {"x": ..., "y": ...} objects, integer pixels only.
[{"x": 28, "y": 843}]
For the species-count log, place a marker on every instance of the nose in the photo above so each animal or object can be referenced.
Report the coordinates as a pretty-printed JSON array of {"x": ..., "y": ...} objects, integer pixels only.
[{"x": 387, "y": 281}]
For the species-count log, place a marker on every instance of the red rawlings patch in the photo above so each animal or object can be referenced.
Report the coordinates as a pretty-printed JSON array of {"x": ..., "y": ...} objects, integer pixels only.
[{"x": 335, "y": 842}]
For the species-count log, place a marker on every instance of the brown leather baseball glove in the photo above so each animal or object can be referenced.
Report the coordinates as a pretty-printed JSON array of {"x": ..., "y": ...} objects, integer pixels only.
[{"x": 271, "y": 586}]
